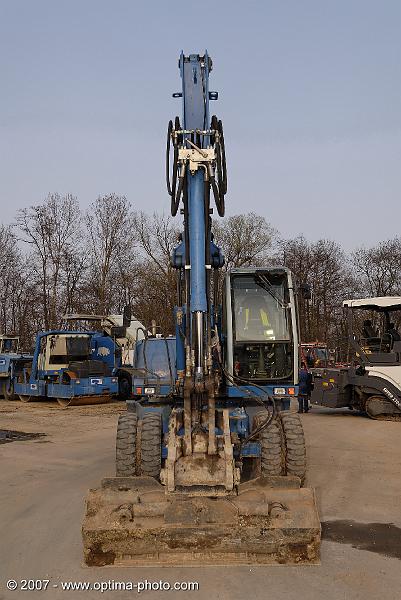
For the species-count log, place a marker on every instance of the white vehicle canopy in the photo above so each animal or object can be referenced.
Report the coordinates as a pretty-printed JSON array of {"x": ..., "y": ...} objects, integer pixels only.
[{"x": 381, "y": 303}]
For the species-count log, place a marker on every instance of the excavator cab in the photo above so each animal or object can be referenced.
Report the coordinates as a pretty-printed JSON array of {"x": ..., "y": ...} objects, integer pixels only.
[{"x": 259, "y": 326}]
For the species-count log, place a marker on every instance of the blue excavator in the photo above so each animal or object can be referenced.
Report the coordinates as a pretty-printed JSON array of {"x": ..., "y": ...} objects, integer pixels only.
[{"x": 210, "y": 460}]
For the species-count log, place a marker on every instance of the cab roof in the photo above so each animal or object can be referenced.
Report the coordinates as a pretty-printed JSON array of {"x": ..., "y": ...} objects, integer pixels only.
[{"x": 380, "y": 303}]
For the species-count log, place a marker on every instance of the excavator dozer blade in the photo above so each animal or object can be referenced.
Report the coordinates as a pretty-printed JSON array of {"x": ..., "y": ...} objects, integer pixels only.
[{"x": 131, "y": 521}]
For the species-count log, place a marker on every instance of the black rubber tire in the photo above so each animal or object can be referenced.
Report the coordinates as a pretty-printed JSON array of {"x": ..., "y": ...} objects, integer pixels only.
[
  {"x": 271, "y": 446},
  {"x": 168, "y": 145},
  {"x": 294, "y": 443},
  {"x": 126, "y": 445},
  {"x": 223, "y": 158},
  {"x": 151, "y": 438}
]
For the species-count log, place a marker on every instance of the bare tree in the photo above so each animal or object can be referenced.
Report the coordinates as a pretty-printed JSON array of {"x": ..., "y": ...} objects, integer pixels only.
[
  {"x": 110, "y": 225},
  {"x": 156, "y": 235},
  {"x": 10, "y": 262},
  {"x": 379, "y": 268},
  {"x": 75, "y": 271},
  {"x": 19, "y": 303},
  {"x": 52, "y": 230},
  {"x": 121, "y": 257},
  {"x": 246, "y": 240},
  {"x": 324, "y": 266},
  {"x": 155, "y": 296}
]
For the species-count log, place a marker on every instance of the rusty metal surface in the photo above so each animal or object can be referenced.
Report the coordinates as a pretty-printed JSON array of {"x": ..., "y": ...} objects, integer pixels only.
[{"x": 131, "y": 521}]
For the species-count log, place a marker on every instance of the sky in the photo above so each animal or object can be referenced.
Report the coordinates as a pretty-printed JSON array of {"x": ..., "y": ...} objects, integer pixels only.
[{"x": 309, "y": 94}]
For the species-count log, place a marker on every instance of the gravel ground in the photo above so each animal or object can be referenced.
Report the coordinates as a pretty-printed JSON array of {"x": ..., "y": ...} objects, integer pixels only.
[{"x": 354, "y": 465}]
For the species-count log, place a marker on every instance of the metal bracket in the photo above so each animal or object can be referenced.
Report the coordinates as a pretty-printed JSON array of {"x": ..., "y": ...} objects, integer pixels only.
[{"x": 197, "y": 158}]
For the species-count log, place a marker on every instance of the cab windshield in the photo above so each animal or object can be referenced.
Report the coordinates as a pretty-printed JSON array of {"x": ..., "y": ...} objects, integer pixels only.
[
  {"x": 263, "y": 348},
  {"x": 260, "y": 311}
]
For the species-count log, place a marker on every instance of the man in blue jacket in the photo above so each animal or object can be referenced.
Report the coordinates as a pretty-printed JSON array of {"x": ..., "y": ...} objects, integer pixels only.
[{"x": 305, "y": 389}]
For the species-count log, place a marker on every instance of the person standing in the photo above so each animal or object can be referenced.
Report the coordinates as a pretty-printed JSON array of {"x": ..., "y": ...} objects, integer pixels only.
[{"x": 305, "y": 388}]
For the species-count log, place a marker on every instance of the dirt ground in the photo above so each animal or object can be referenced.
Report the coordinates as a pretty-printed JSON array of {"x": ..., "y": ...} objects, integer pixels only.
[{"x": 354, "y": 465}]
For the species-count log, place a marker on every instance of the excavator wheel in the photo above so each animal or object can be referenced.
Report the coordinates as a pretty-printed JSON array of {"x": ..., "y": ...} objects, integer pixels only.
[
  {"x": 150, "y": 445},
  {"x": 271, "y": 443},
  {"x": 126, "y": 450},
  {"x": 294, "y": 442}
]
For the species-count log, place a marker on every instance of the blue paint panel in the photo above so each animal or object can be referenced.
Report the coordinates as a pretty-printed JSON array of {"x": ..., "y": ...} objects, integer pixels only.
[
  {"x": 37, "y": 388},
  {"x": 164, "y": 391},
  {"x": 197, "y": 237},
  {"x": 239, "y": 422},
  {"x": 103, "y": 348},
  {"x": 9, "y": 361},
  {"x": 4, "y": 364},
  {"x": 194, "y": 99},
  {"x": 251, "y": 450},
  {"x": 195, "y": 93},
  {"x": 83, "y": 388},
  {"x": 240, "y": 391}
]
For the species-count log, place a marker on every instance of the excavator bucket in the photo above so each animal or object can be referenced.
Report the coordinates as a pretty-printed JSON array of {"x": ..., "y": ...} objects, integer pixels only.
[{"x": 133, "y": 521}]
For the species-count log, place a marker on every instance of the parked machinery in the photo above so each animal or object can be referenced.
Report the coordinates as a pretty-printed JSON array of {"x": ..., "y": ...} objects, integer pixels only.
[
  {"x": 118, "y": 354},
  {"x": 10, "y": 360},
  {"x": 209, "y": 467},
  {"x": 372, "y": 383},
  {"x": 89, "y": 364},
  {"x": 63, "y": 368}
]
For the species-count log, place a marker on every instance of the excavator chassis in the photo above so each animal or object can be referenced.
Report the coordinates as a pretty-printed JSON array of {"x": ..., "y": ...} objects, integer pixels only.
[{"x": 133, "y": 521}]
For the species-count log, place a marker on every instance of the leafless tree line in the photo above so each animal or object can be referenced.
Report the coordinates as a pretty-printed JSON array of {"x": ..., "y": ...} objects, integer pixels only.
[{"x": 57, "y": 259}]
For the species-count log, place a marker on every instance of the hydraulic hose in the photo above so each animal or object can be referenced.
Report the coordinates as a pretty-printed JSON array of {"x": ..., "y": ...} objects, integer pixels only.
[
  {"x": 223, "y": 158},
  {"x": 176, "y": 202},
  {"x": 219, "y": 187},
  {"x": 172, "y": 186},
  {"x": 168, "y": 145},
  {"x": 216, "y": 193},
  {"x": 271, "y": 414}
]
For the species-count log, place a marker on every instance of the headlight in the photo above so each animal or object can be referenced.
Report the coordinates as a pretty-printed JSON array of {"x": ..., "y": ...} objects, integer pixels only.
[
  {"x": 149, "y": 391},
  {"x": 279, "y": 391}
]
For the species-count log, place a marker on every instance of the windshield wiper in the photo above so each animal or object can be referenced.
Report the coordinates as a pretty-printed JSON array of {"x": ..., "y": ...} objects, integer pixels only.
[{"x": 265, "y": 284}]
